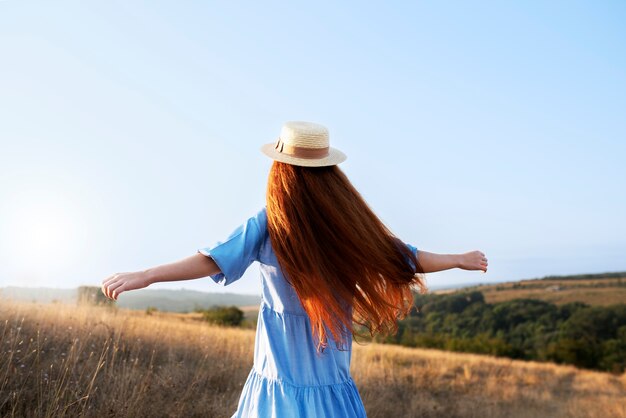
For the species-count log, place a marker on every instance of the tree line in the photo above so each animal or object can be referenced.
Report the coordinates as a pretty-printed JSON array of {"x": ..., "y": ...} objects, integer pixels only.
[{"x": 576, "y": 333}]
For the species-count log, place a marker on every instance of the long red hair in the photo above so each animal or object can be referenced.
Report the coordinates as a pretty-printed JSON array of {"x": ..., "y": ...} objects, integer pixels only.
[{"x": 345, "y": 265}]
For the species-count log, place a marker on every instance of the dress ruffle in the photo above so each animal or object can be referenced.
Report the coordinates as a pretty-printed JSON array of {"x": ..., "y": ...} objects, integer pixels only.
[{"x": 264, "y": 397}]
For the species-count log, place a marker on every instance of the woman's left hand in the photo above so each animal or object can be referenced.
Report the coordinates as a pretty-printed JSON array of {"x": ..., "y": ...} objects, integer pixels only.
[
  {"x": 120, "y": 282},
  {"x": 473, "y": 260}
]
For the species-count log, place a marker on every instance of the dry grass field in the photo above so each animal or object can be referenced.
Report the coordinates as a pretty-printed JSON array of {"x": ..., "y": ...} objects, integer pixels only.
[
  {"x": 599, "y": 292},
  {"x": 61, "y": 360}
]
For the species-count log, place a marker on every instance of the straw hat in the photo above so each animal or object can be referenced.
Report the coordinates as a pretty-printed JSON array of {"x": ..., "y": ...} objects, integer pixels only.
[{"x": 305, "y": 144}]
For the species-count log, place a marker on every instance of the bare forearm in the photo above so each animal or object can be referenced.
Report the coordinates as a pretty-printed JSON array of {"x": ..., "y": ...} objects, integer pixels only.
[
  {"x": 432, "y": 262},
  {"x": 192, "y": 267}
]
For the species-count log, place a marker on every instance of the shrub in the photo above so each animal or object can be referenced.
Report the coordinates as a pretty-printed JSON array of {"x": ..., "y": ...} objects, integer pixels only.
[{"x": 223, "y": 315}]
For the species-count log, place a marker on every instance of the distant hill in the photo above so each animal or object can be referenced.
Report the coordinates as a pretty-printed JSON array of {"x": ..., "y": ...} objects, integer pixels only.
[
  {"x": 600, "y": 289},
  {"x": 181, "y": 300},
  {"x": 593, "y": 289}
]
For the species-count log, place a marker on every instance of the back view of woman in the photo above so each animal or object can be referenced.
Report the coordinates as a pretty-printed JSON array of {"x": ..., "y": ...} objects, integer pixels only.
[{"x": 330, "y": 269}]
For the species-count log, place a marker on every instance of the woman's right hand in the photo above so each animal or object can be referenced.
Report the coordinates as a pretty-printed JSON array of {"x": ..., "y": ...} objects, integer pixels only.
[
  {"x": 473, "y": 260},
  {"x": 113, "y": 285}
]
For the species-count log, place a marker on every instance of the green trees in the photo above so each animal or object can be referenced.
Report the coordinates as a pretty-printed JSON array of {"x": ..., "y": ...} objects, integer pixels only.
[
  {"x": 594, "y": 337},
  {"x": 575, "y": 333}
]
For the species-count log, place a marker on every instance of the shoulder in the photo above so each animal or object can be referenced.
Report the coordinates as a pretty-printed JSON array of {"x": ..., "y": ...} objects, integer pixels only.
[
  {"x": 265, "y": 247},
  {"x": 260, "y": 219},
  {"x": 257, "y": 225}
]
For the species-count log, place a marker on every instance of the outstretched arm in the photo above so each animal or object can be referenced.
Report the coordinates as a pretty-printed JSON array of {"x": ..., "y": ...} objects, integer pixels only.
[
  {"x": 432, "y": 262},
  {"x": 192, "y": 267}
]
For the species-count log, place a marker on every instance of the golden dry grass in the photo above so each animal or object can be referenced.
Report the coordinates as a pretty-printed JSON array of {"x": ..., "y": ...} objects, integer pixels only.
[
  {"x": 62, "y": 360},
  {"x": 599, "y": 292}
]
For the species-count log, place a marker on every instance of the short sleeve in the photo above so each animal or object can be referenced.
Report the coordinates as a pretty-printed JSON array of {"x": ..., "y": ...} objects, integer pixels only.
[
  {"x": 240, "y": 249},
  {"x": 413, "y": 249}
]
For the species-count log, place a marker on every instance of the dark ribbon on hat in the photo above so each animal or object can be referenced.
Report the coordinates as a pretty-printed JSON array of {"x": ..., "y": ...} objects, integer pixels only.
[{"x": 301, "y": 152}]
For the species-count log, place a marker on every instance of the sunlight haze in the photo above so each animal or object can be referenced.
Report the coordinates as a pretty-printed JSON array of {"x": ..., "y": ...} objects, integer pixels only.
[{"x": 130, "y": 131}]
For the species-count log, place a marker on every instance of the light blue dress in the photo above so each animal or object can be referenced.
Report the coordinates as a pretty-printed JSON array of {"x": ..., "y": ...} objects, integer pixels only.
[{"x": 289, "y": 377}]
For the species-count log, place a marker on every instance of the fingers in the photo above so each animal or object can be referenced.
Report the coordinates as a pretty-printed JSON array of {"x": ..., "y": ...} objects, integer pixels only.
[
  {"x": 483, "y": 262},
  {"x": 110, "y": 279},
  {"x": 105, "y": 285},
  {"x": 109, "y": 284},
  {"x": 115, "y": 289},
  {"x": 105, "y": 290}
]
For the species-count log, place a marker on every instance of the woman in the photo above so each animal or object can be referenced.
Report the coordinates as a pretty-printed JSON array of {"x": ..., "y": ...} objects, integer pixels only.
[{"x": 329, "y": 268}]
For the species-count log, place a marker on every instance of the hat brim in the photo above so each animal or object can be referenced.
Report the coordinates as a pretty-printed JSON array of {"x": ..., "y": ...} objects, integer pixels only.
[{"x": 334, "y": 157}]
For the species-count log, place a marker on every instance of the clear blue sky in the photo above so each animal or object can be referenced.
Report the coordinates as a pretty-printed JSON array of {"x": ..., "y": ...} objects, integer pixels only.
[{"x": 130, "y": 131}]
